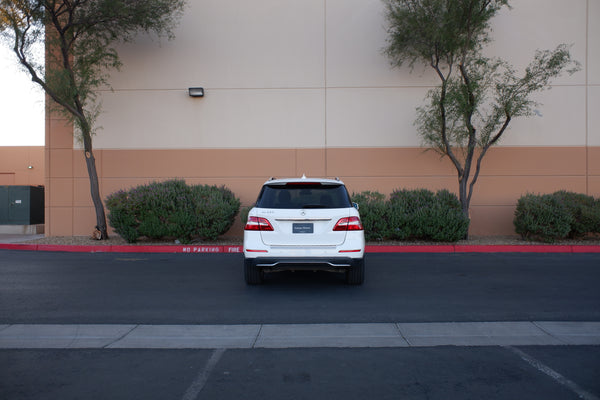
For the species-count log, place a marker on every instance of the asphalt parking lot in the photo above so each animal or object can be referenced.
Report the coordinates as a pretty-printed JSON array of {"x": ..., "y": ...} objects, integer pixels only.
[
  {"x": 563, "y": 372},
  {"x": 118, "y": 288},
  {"x": 423, "y": 326}
]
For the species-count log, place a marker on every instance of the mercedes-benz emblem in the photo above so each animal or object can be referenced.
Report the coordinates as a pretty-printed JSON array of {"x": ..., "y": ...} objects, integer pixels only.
[{"x": 303, "y": 213}]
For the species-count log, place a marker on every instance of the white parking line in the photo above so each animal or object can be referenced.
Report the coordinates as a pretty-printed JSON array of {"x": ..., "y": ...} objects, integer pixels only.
[
  {"x": 583, "y": 394},
  {"x": 200, "y": 381}
]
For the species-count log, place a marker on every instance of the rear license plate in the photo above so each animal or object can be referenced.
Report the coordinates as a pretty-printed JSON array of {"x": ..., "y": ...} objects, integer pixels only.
[{"x": 302, "y": 228}]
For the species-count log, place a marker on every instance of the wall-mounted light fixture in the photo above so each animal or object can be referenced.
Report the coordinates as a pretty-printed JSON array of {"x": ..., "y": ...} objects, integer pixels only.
[
  {"x": 30, "y": 167},
  {"x": 196, "y": 92}
]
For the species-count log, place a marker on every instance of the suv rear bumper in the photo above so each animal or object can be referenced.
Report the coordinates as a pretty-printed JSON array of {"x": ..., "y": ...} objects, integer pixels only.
[{"x": 334, "y": 264}]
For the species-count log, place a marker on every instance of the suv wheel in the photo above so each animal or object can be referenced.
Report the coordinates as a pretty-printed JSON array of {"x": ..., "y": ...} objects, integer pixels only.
[
  {"x": 356, "y": 274},
  {"x": 252, "y": 273}
]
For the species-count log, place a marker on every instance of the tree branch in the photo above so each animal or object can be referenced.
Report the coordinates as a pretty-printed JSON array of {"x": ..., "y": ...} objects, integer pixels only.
[{"x": 484, "y": 151}]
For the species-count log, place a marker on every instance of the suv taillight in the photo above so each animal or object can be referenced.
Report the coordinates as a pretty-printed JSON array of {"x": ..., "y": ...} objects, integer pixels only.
[
  {"x": 258, "y": 224},
  {"x": 348, "y": 224}
]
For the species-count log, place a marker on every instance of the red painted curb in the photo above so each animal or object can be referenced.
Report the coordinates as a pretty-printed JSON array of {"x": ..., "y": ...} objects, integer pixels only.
[
  {"x": 11, "y": 246},
  {"x": 524, "y": 248},
  {"x": 123, "y": 248},
  {"x": 586, "y": 249},
  {"x": 70, "y": 249},
  {"x": 410, "y": 249},
  {"x": 518, "y": 248}
]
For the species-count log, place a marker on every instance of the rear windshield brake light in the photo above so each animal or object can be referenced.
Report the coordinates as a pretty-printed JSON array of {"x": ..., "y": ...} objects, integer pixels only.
[
  {"x": 258, "y": 224},
  {"x": 348, "y": 224},
  {"x": 303, "y": 184}
]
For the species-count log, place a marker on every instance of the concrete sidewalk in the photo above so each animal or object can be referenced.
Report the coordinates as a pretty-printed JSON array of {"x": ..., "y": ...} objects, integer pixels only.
[
  {"x": 18, "y": 238},
  {"x": 299, "y": 335}
]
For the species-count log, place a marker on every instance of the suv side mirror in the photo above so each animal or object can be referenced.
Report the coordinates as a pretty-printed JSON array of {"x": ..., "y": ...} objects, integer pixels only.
[{"x": 355, "y": 205}]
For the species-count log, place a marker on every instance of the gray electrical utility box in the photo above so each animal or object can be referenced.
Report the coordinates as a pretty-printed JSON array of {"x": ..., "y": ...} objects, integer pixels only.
[{"x": 21, "y": 205}]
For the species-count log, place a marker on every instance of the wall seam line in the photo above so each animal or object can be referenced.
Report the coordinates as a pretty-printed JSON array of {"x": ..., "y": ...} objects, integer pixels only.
[
  {"x": 325, "y": 116},
  {"x": 587, "y": 98}
]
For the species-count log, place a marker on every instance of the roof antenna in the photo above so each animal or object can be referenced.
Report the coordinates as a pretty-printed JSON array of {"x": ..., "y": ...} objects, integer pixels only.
[{"x": 303, "y": 176}]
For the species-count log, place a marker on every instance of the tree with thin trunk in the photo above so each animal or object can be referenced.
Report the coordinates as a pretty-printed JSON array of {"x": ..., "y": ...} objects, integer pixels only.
[
  {"x": 477, "y": 97},
  {"x": 80, "y": 38}
]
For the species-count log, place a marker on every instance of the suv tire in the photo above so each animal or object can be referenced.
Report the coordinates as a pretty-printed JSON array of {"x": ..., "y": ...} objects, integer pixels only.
[
  {"x": 356, "y": 274},
  {"x": 252, "y": 273}
]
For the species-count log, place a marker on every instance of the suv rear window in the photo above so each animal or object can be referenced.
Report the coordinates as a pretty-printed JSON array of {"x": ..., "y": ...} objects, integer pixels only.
[{"x": 303, "y": 195}]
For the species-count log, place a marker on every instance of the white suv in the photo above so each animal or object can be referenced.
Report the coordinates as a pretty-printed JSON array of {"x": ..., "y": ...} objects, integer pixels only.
[{"x": 304, "y": 224}]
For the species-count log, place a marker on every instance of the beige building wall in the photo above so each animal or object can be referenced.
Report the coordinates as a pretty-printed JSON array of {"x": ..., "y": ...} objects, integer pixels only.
[
  {"x": 302, "y": 86},
  {"x": 22, "y": 165}
]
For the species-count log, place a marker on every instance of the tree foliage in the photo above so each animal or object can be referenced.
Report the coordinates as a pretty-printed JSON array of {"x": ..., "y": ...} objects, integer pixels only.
[
  {"x": 471, "y": 108},
  {"x": 80, "y": 40}
]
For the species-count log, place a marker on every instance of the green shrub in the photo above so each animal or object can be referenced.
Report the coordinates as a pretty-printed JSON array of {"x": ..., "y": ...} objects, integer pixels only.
[
  {"x": 592, "y": 216},
  {"x": 217, "y": 208},
  {"x": 448, "y": 200},
  {"x": 583, "y": 209},
  {"x": 121, "y": 216},
  {"x": 556, "y": 216},
  {"x": 441, "y": 224},
  {"x": 412, "y": 200},
  {"x": 542, "y": 217},
  {"x": 172, "y": 209},
  {"x": 405, "y": 212},
  {"x": 244, "y": 211},
  {"x": 412, "y": 215},
  {"x": 373, "y": 210},
  {"x": 423, "y": 215}
]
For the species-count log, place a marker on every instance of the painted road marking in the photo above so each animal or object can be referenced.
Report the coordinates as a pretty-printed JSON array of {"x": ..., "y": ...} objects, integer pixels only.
[
  {"x": 200, "y": 381},
  {"x": 569, "y": 384}
]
